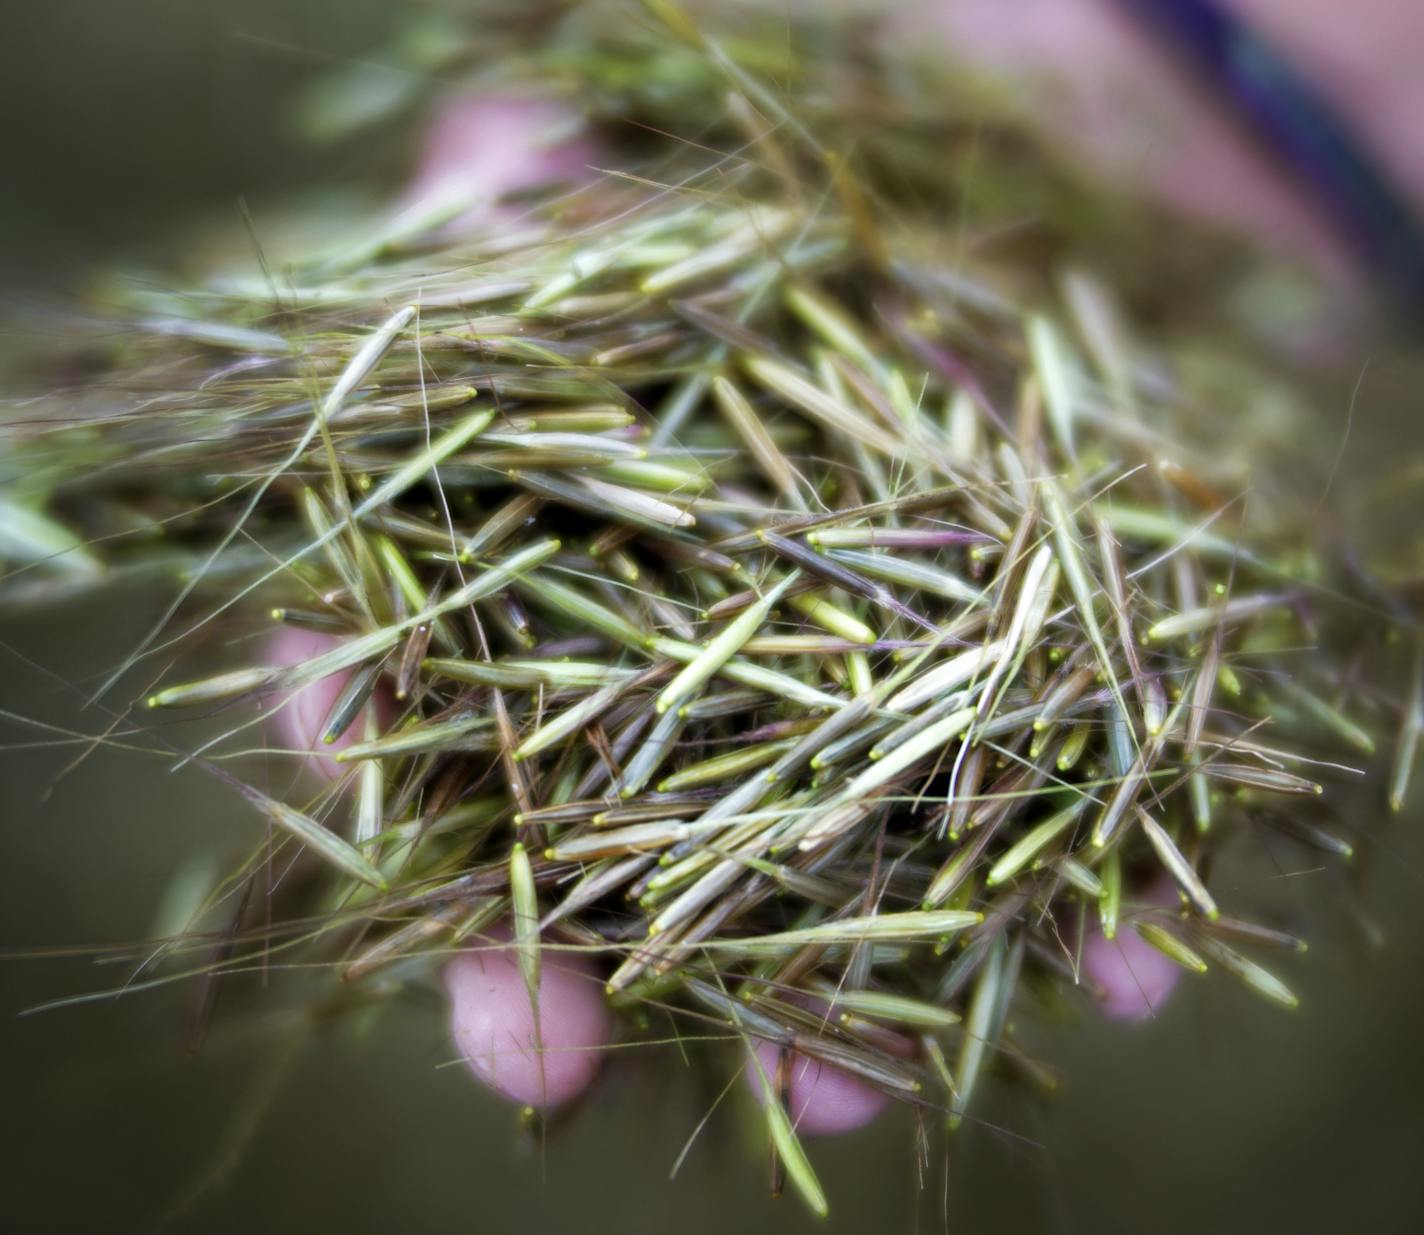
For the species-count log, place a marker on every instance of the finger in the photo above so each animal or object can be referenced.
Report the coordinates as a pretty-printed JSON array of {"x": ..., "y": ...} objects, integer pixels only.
[
  {"x": 821, "y": 1100},
  {"x": 1134, "y": 979},
  {"x": 301, "y": 716},
  {"x": 494, "y": 1025},
  {"x": 483, "y": 147}
]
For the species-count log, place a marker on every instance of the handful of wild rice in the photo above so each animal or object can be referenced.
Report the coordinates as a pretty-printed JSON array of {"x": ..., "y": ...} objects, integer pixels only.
[{"x": 762, "y": 599}]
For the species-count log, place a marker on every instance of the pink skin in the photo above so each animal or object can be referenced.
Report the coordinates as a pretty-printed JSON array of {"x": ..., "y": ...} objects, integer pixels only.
[
  {"x": 493, "y": 1023},
  {"x": 1135, "y": 979},
  {"x": 482, "y": 147},
  {"x": 821, "y": 1100},
  {"x": 1107, "y": 90},
  {"x": 301, "y": 717}
]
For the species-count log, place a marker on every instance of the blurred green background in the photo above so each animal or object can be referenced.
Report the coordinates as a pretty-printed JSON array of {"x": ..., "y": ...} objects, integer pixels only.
[{"x": 125, "y": 119}]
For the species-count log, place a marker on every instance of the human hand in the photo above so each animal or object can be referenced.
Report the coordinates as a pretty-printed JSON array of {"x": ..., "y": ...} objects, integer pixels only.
[{"x": 485, "y": 147}]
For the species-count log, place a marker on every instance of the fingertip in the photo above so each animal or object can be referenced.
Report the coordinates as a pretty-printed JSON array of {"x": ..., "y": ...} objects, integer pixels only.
[
  {"x": 482, "y": 147},
  {"x": 1134, "y": 979},
  {"x": 821, "y": 1100},
  {"x": 493, "y": 1023},
  {"x": 301, "y": 715}
]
